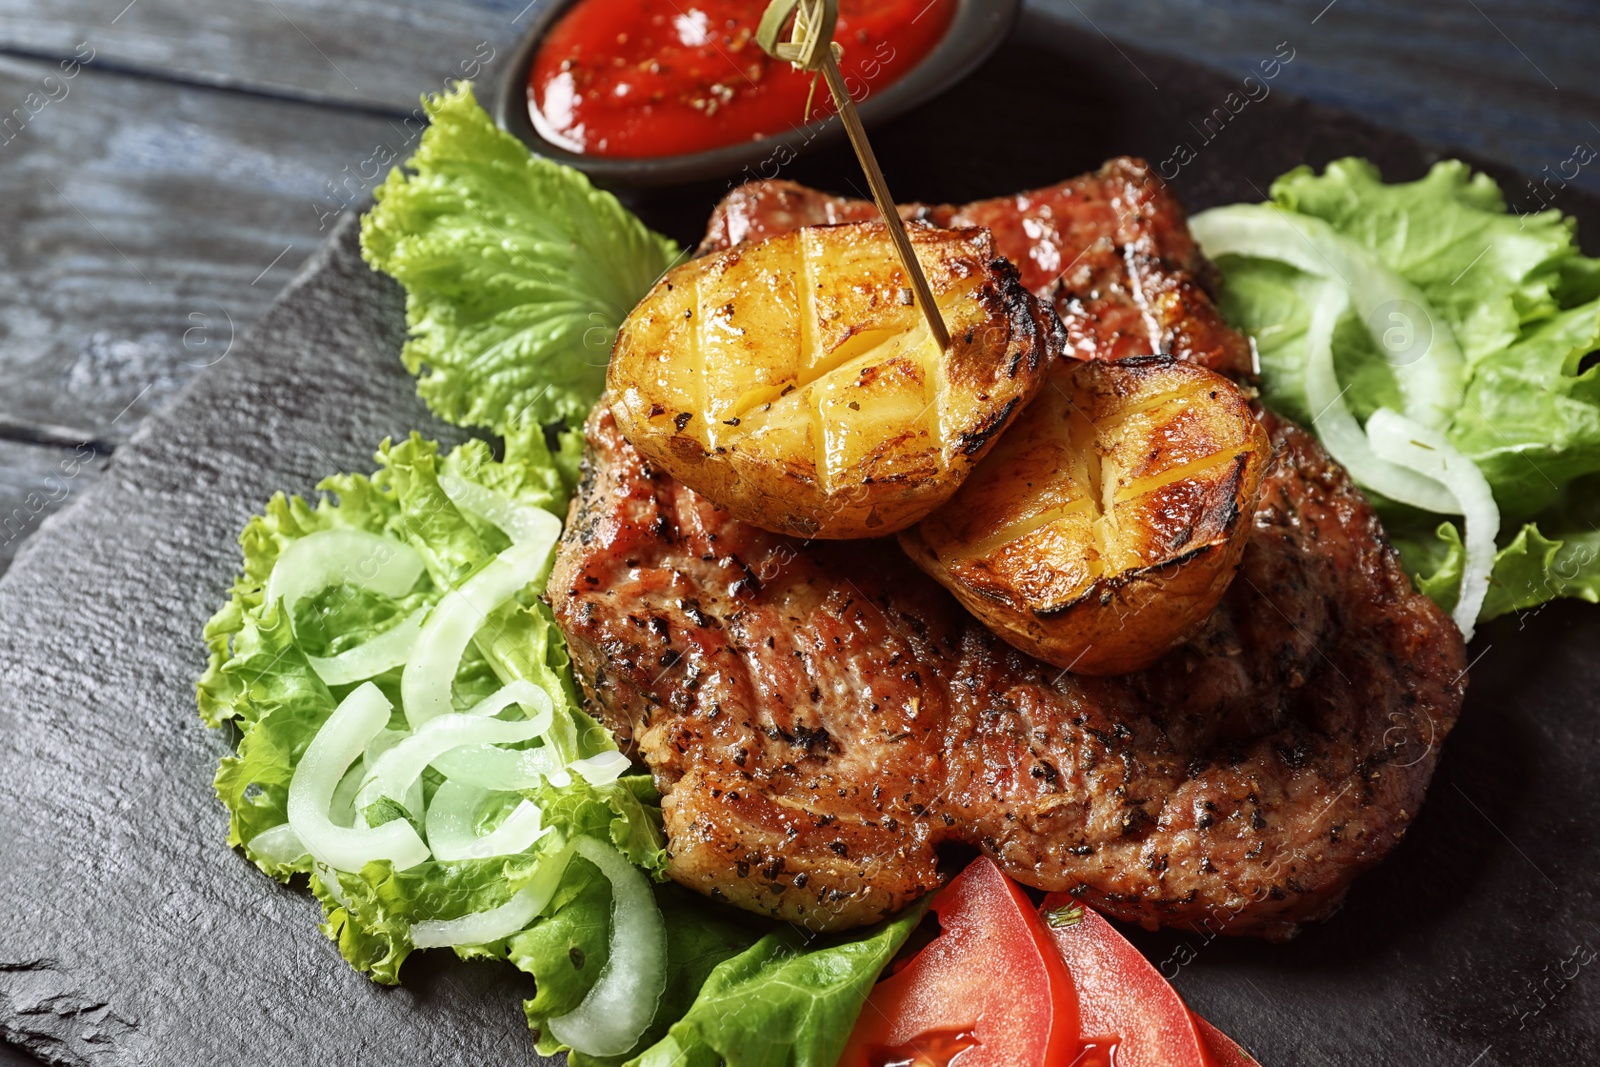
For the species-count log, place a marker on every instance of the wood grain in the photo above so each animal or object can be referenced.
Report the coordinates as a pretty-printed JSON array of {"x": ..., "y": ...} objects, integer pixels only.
[
  {"x": 143, "y": 209},
  {"x": 1513, "y": 80},
  {"x": 146, "y": 226},
  {"x": 379, "y": 54}
]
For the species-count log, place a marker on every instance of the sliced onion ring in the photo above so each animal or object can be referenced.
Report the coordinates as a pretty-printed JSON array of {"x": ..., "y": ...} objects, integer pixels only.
[
  {"x": 615, "y": 1012},
  {"x": 1427, "y": 452},
  {"x": 508, "y": 770},
  {"x": 339, "y": 743},
  {"x": 533, "y": 701},
  {"x": 342, "y": 556},
  {"x": 372, "y": 657},
  {"x": 276, "y": 846},
  {"x": 429, "y": 677},
  {"x": 484, "y": 927},
  {"x": 521, "y": 523},
  {"x": 394, "y": 772},
  {"x": 1431, "y": 386},
  {"x": 1338, "y": 428},
  {"x": 602, "y": 768},
  {"x": 451, "y": 817}
]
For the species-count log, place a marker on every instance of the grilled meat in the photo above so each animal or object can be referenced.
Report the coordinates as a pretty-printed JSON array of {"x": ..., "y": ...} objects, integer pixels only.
[
  {"x": 758, "y": 210},
  {"x": 825, "y": 721},
  {"x": 822, "y": 718},
  {"x": 1111, "y": 250}
]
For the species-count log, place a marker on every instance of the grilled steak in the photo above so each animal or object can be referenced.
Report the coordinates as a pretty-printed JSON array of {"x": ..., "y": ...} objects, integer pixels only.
[
  {"x": 824, "y": 721},
  {"x": 1111, "y": 250}
]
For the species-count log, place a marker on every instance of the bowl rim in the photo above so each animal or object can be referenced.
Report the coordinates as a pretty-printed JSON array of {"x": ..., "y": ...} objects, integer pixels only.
[{"x": 976, "y": 30}]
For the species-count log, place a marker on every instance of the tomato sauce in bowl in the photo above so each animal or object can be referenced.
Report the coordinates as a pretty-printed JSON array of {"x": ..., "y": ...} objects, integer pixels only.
[{"x": 652, "y": 78}]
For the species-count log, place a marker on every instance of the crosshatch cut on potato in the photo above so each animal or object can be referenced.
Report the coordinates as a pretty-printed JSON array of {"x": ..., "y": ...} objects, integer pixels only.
[
  {"x": 794, "y": 382},
  {"x": 1108, "y": 522}
]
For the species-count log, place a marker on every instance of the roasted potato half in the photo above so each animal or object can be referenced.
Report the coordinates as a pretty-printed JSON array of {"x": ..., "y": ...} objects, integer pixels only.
[
  {"x": 1106, "y": 524},
  {"x": 793, "y": 382}
]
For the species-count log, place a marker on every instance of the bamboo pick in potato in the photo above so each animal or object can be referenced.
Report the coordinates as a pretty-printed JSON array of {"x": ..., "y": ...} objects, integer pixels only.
[{"x": 811, "y": 47}]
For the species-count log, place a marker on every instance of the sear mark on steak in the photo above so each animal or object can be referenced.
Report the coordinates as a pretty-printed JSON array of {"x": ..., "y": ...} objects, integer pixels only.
[
  {"x": 1110, "y": 250},
  {"x": 823, "y": 719}
]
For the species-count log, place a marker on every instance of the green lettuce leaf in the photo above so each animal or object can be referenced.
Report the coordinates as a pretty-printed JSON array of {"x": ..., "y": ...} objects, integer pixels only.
[
  {"x": 790, "y": 1000},
  {"x": 1486, "y": 270},
  {"x": 566, "y": 953},
  {"x": 1523, "y": 304},
  {"x": 371, "y": 915},
  {"x": 260, "y": 679},
  {"x": 741, "y": 990},
  {"x": 1530, "y": 570},
  {"x": 518, "y": 272}
]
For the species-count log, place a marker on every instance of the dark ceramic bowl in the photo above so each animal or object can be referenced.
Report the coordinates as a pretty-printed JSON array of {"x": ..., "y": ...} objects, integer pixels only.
[{"x": 978, "y": 28}]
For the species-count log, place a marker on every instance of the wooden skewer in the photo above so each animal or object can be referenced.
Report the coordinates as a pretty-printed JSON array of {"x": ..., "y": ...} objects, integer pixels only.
[{"x": 811, "y": 48}]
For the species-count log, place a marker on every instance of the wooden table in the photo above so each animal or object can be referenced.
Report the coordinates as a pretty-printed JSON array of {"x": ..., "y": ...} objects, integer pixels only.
[{"x": 168, "y": 164}]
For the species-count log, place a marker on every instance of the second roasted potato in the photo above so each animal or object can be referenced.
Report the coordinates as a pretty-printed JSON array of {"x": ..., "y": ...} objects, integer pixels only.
[
  {"x": 1108, "y": 522},
  {"x": 793, "y": 382}
]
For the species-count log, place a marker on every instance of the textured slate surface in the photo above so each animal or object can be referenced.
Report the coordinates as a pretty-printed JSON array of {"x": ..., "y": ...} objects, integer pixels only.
[
  {"x": 130, "y": 935},
  {"x": 35, "y": 481}
]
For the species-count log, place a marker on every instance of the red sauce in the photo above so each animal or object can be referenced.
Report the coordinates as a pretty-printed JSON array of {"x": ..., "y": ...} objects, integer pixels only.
[
  {"x": 660, "y": 77},
  {"x": 936, "y": 1048}
]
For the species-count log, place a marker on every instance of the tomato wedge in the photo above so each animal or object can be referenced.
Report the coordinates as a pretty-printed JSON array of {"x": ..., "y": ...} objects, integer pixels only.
[
  {"x": 1222, "y": 1050},
  {"x": 1122, "y": 999},
  {"x": 989, "y": 989}
]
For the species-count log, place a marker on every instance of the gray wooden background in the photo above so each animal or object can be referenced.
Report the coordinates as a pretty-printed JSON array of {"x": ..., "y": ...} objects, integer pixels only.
[
  {"x": 166, "y": 165},
  {"x": 153, "y": 201}
]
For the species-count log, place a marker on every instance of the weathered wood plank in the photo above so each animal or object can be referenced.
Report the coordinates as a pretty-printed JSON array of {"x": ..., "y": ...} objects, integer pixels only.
[
  {"x": 146, "y": 225},
  {"x": 376, "y": 53},
  {"x": 35, "y": 482},
  {"x": 1482, "y": 75},
  {"x": 1508, "y": 79}
]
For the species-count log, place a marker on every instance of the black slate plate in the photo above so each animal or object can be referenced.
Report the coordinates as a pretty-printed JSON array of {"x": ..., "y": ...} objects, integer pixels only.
[{"x": 130, "y": 935}]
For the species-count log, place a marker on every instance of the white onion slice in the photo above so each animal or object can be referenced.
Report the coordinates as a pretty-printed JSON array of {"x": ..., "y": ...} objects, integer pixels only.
[
  {"x": 521, "y": 523},
  {"x": 343, "y": 557},
  {"x": 535, "y": 702},
  {"x": 506, "y": 770},
  {"x": 451, "y": 817},
  {"x": 395, "y": 772},
  {"x": 1427, "y": 452},
  {"x": 277, "y": 845},
  {"x": 359, "y": 718},
  {"x": 614, "y": 1014},
  {"x": 602, "y": 768},
  {"x": 426, "y": 684},
  {"x": 385, "y": 740},
  {"x": 484, "y": 927},
  {"x": 1343, "y": 436},
  {"x": 342, "y": 810},
  {"x": 1432, "y": 385},
  {"x": 372, "y": 657}
]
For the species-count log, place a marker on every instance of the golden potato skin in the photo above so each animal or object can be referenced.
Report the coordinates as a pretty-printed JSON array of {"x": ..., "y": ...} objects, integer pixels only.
[
  {"x": 792, "y": 382},
  {"x": 1108, "y": 522}
]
